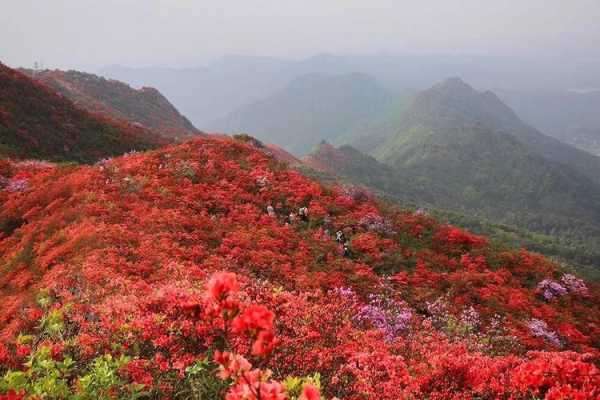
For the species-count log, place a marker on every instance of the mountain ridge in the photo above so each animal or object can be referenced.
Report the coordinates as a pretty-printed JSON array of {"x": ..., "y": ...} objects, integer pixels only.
[
  {"x": 146, "y": 106},
  {"x": 36, "y": 122}
]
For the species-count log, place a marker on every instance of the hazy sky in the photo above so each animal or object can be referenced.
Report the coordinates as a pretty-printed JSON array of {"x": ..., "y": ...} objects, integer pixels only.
[{"x": 93, "y": 33}]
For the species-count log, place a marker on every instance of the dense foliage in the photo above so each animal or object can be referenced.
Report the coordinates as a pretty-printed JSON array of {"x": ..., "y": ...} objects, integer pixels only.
[
  {"x": 179, "y": 274},
  {"x": 146, "y": 106},
  {"x": 35, "y": 122}
]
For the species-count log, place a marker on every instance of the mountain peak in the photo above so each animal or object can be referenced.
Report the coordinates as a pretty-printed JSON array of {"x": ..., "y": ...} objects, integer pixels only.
[
  {"x": 455, "y": 86},
  {"x": 454, "y": 81}
]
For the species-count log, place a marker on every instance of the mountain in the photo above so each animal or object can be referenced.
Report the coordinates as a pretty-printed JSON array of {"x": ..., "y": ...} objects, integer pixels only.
[
  {"x": 453, "y": 104},
  {"x": 570, "y": 116},
  {"x": 166, "y": 274},
  {"x": 311, "y": 108},
  {"x": 146, "y": 106},
  {"x": 36, "y": 122}
]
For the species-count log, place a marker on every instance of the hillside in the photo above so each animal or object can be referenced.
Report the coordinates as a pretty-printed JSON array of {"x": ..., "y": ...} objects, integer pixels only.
[
  {"x": 163, "y": 275},
  {"x": 309, "y": 109},
  {"x": 36, "y": 122},
  {"x": 205, "y": 93},
  {"x": 347, "y": 162},
  {"x": 481, "y": 176},
  {"x": 146, "y": 106}
]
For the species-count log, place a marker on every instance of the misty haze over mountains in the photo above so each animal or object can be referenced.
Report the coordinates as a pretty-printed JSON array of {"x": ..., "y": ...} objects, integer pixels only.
[{"x": 209, "y": 92}]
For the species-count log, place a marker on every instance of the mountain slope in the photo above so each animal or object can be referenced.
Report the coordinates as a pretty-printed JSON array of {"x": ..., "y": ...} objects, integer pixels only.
[
  {"x": 453, "y": 104},
  {"x": 146, "y": 106},
  {"x": 367, "y": 135},
  {"x": 165, "y": 272},
  {"x": 569, "y": 116},
  {"x": 309, "y": 109},
  {"x": 35, "y": 122},
  {"x": 474, "y": 170}
]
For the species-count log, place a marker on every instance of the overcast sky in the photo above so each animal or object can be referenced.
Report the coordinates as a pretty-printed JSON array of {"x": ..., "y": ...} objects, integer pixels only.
[{"x": 92, "y": 33}]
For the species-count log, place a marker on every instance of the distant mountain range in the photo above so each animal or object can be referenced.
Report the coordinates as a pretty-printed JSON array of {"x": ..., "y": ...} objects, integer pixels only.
[
  {"x": 212, "y": 91},
  {"x": 36, "y": 122},
  {"x": 145, "y": 106},
  {"x": 310, "y": 108}
]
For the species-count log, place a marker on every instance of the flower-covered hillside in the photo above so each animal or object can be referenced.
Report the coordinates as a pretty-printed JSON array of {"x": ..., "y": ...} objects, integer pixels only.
[
  {"x": 114, "y": 99},
  {"x": 211, "y": 270},
  {"x": 36, "y": 122}
]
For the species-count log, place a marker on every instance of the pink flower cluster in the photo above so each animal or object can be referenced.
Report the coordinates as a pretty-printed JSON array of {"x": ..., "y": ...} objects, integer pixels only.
[
  {"x": 569, "y": 283},
  {"x": 540, "y": 329}
]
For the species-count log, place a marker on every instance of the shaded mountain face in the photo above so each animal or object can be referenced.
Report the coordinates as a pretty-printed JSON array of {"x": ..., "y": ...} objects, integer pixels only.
[
  {"x": 311, "y": 108},
  {"x": 36, "y": 122},
  {"x": 453, "y": 104},
  {"x": 146, "y": 106},
  {"x": 569, "y": 116}
]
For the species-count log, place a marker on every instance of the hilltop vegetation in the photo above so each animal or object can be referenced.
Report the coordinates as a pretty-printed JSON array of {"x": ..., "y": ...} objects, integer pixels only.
[
  {"x": 166, "y": 275},
  {"x": 146, "y": 106},
  {"x": 35, "y": 122}
]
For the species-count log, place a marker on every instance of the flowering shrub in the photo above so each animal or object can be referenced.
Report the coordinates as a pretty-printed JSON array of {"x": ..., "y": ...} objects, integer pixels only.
[
  {"x": 568, "y": 284},
  {"x": 574, "y": 284},
  {"x": 551, "y": 289},
  {"x": 540, "y": 329},
  {"x": 388, "y": 315},
  {"x": 162, "y": 275}
]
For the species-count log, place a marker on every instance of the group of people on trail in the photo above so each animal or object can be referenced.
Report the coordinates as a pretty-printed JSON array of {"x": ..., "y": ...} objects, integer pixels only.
[
  {"x": 303, "y": 215},
  {"x": 292, "y": 217},
  {"x": 340, "y": 237}
]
